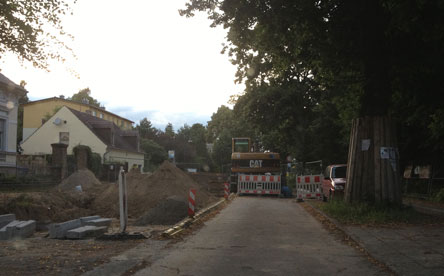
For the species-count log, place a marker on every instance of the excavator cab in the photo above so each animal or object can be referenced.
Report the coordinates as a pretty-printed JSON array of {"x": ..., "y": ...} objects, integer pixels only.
[{"x": 241, "y": 145}]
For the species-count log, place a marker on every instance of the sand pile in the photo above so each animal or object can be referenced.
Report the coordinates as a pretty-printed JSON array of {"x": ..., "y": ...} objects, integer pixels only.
[
  {"x": 212, "y": 182},
  {"x": 155, "y": 196},
  {"x": 166, "y": 212},
  {"x": 47, "y": 206},
  {"x": 84, "y": 178}
]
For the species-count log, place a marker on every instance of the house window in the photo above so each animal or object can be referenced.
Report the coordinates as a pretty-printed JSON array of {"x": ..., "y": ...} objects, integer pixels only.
[
  {"x": 101, "y": 115},
  {"x": 94, "y": 113},
  {"x": 2, "y": 134},
  {"x": 64, "y": 137}
]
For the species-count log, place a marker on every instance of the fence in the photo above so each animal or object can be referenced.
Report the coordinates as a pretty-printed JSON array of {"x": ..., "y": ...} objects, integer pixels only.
[
  {"x": 307, "y": 177},
  {"x": 422, "y": 181}
]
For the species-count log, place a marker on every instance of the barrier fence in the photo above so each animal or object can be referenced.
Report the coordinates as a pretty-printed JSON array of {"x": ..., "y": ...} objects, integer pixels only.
[
  {"x": 259, "y": 184},
  {"x": 309, "y": 186}
]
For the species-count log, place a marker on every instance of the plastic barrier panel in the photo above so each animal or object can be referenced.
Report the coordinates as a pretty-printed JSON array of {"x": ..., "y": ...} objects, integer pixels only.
[
  {"x": 309, "y": 186},
  {"x": 259, "y": 184}
]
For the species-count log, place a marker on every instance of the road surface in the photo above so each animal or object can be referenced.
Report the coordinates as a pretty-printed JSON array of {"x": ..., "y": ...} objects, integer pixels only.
[{"x": 260, "y": 236}]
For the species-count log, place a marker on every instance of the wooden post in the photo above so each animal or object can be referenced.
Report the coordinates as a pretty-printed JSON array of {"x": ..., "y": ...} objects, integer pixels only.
[{"x": 373, "y": 162}]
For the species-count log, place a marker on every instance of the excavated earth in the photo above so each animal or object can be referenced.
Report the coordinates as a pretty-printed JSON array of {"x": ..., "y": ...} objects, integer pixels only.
[{"x": 159, "y": 198}]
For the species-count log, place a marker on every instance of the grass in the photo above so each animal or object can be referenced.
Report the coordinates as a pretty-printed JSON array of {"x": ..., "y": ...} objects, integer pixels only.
[{"x": 371, "y": 214}]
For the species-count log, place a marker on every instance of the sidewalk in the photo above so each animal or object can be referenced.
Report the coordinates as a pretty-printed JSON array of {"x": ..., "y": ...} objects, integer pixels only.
[
  {"x": 410, "y": 250},
  {"x": 406, "y": 250}
]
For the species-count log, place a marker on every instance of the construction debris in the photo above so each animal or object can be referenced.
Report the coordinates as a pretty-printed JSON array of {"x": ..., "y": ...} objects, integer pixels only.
[
  {"x": 84, "y": 227},
  {"x": 159, "y": 198},
  {"x": 15, "y": 229}
]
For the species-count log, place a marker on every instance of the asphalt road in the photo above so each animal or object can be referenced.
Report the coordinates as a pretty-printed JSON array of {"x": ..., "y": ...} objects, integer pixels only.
[{"x": 259, "y": 236}]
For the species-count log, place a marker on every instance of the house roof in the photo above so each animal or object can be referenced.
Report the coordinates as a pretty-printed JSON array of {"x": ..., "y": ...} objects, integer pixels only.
[
  {"x": 70, "y": 101},
  {"x": 95, "y": 124},
  {"x": 11, "y": 85}
]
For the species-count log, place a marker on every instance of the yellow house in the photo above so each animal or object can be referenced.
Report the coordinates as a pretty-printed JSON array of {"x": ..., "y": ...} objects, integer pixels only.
[
  {"x": 9, "y": 96},
  {"x": 34, "y": 113},
  {"x": 74, "y": 128}
]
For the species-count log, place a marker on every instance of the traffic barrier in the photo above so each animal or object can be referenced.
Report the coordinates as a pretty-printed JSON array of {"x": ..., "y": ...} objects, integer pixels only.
[
  {"x": 226, "y": 190},
  {"x": 309, "y": 186},
  {"x": 191, "y": 202},
  {"x": 259, "y": 184}
]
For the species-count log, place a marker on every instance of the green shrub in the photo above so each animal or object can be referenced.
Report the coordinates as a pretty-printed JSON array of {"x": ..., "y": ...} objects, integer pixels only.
[{"x": 439, "y": 197}]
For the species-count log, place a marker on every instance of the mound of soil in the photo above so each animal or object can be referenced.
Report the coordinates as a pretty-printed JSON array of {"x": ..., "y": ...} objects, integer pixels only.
[
  {"x": 54, "y": 206},
  {"x": 145, "y": 192},
  {"x": 212, "y": 182},
  {"x": 84, "y": 178},
  {"x": 169, "y": 211}
]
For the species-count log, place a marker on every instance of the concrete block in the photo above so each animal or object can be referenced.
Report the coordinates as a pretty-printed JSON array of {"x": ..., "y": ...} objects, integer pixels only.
[
  {"x": 59, "y": 230},
  {"x": 87, "y": 231},
  {"x": 7, "y": 232},
  {"x": 25, "y": 229},
  {"x": 5, "y": 219},
  {"x": 99, "y": 222},
  {"x": 85, "y": 219}
]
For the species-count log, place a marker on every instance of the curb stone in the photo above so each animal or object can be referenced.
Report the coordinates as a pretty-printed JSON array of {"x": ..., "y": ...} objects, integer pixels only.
[{"x": 189, "y": 221}]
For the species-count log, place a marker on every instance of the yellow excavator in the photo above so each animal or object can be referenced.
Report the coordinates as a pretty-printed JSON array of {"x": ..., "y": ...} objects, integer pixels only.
[{"x": 254, "y": 172}]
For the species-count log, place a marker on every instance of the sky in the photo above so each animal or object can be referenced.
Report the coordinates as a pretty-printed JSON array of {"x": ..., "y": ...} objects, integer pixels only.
[{"x": 141, "y": 59}]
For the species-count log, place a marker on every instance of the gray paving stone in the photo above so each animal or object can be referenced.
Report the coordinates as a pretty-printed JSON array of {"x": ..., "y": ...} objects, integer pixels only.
[
  {"x": 59, "y": 230},
  {"x": 25, "y": 229},
  {"x": 87, "y": 231},
  {"x": 99, "y": 222},
  {"x": 89, "y": 218},
  {"x": 6, "y": 219},
  {"x": 7, "y": 231}
]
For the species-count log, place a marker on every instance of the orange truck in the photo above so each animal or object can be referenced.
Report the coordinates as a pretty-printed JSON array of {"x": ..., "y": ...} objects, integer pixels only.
[{"x": 254, "y": 172}]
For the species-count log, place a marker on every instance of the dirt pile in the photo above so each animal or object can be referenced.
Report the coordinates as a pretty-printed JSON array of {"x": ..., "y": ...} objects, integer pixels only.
[
  {"x": 84, "y": 178},
  {"x": 152, "y": 195},
  {"x": 166, "y": 212},
  {"x": 158, "y": 198},
  {"x": 212, "y": 182},
  {"x": 60, "y": 203},
  {"x": 49, "y": 206}
]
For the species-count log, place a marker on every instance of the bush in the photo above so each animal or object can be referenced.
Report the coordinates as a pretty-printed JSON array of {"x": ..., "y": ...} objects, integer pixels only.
[{"x": 439, "y": 197}]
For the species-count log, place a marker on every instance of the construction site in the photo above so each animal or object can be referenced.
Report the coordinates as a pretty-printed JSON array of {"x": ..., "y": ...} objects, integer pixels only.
[{"x": 155, "y": 201}]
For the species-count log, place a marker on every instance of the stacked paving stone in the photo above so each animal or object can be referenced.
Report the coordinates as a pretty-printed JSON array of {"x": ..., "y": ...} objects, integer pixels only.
[
  {"x": 10, "y": 228},
  {"x": 84, "y": 227}
]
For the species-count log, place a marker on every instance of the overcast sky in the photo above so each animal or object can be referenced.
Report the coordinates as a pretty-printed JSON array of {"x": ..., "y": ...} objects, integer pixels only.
[{"x": 140, "y": 59}]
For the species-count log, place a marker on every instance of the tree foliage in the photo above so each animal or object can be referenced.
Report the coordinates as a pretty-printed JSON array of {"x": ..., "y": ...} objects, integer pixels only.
[
  {"x": 84, "y": 96},
  {"x": 155, "y": 154},
  {"x": 336, "y": 60},
  {"x": 33, "y": 30}
]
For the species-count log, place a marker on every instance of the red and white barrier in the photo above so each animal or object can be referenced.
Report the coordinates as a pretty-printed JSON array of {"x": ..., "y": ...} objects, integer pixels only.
[
  {"x": 226, "y": 190},
  {"x": 309, "y": 186},
  {"x": 259, "y": 184},
  {"x": 191, "y": 202}
]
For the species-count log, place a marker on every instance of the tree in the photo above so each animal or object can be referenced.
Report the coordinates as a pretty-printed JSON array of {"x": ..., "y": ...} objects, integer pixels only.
[
  {"x": 169, "y": 130},
  {"x": 155, "y": 154},
  {"x": 363, "y": 54},
  {"x": 84, "y": 96},
  {"x": 33, "y": 30},
  {"x": 146, "y": 129}
]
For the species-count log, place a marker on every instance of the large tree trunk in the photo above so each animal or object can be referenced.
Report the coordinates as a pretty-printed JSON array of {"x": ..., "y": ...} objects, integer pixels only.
[{"x": 373, "y": 162}]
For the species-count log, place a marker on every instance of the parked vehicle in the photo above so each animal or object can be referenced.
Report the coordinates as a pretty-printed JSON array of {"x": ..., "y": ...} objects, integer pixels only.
[{"x": 334, "y": 181}]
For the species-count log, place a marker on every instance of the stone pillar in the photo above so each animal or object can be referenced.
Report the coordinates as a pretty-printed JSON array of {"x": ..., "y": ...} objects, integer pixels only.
[
  {"x": 82, "y": 158},
  {"x": 59, "y": 166}
]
